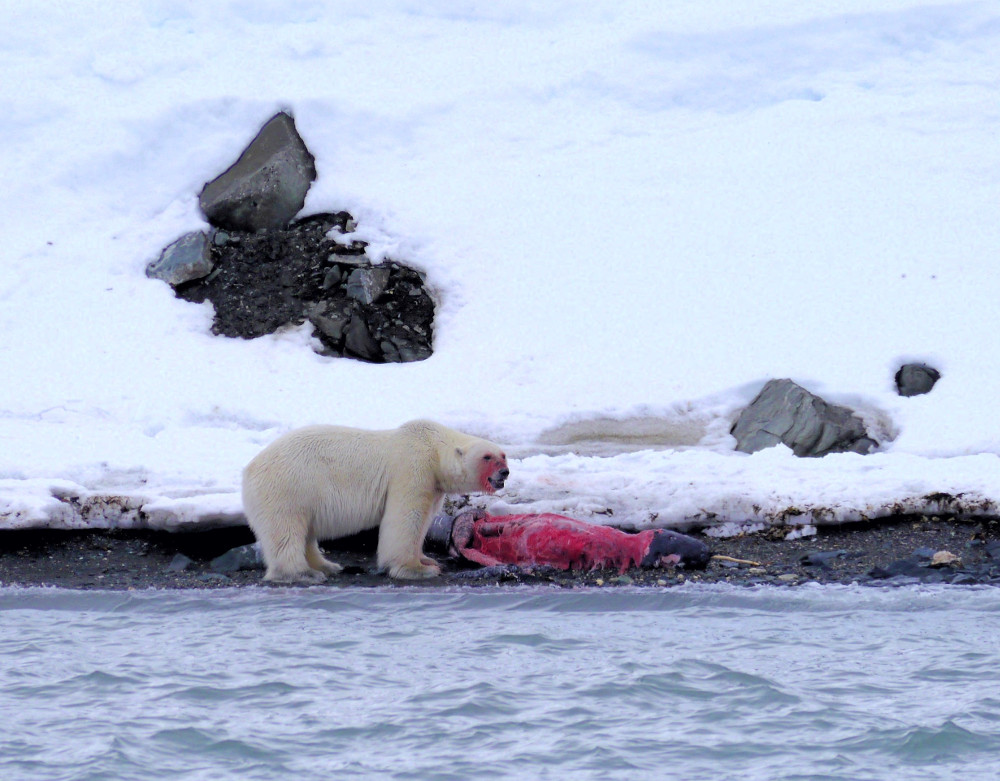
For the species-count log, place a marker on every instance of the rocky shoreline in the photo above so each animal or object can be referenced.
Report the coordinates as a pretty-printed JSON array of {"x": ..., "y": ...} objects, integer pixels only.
[{"x": 899, "y": 551}]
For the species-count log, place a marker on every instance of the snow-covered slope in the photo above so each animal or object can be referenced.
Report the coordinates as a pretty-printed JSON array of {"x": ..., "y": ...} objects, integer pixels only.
[{"x": 629, "y": 212}]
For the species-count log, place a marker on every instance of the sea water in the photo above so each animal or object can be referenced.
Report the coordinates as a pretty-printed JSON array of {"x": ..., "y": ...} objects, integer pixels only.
[{"x": 686, "y": 683}]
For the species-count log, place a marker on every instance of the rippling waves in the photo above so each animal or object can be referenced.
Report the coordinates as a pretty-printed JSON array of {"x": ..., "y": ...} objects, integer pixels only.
[{"x": 709, "y": 683}]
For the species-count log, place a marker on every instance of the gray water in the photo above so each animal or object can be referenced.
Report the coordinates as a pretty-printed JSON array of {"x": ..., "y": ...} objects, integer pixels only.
[{"x": 696, "y": 683}]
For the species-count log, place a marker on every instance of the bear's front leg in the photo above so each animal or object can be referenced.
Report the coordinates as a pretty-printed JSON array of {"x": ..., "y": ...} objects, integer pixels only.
[
  {"x": 415, "y": 571},
  {"x": 401, "y": 536}
]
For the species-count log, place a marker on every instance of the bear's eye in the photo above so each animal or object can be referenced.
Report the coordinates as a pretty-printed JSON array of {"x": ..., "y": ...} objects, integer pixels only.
[{"x": 487, "y": 458}]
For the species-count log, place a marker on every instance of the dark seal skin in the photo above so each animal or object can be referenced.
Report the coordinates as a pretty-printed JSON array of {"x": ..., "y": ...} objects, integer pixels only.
[{"x": 668, "y": 545}]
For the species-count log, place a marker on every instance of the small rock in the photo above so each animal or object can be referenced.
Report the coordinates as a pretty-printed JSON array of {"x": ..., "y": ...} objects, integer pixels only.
[
  {"x": 347, "y": 260},
  {"x": 331, "y": 278},
  {"x": 909, "y": 567},
  {"x": 903, "y": 580},
  {"x": 408, "y": 351},
  {"x": 180, "y": 563},
  {"x": 209, "y": 577},
  {"x": 924, "y": 553},
  {"x": 964, "y": 579},
  {"x": 359, "y": 342},
  {"x": 915, "y": 379},
  {"x": 331, "y": 321},
  {"x": 993, "y": 549},
  {"x": 788, "y": 577},
  {"x": 623, "y": 580},
  {"x": 822, "y": 558},
  {"x": 188, "y": 258},
  {"x": 243, "y": 557},
  {"x": 367, "y": 284},
  {"x": 757, "y": 571},
  {"x": 944, "y": 558}
]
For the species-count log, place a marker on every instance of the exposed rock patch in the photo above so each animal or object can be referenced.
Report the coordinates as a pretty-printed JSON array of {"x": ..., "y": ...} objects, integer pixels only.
[
  {"x": 786, "y": 412},
  {"x": 262, "y": 273},
  {"x": 266, "y": 280}
]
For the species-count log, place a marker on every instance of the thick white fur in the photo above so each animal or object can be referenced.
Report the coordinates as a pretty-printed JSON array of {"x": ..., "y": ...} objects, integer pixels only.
[{"x": 323, "y": 482}]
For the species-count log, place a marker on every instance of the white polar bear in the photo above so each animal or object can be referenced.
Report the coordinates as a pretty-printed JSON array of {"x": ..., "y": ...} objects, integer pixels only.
[{"x": 322, "y": 482}]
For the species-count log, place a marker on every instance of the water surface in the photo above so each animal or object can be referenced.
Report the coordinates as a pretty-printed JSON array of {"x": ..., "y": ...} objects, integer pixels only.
[{"x": 690, "y": 683}]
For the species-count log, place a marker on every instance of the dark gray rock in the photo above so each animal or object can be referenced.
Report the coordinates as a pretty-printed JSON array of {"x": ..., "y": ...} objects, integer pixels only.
[
  {"x": 993, "y": 549},
  {"x": 822, "y": 558},
  {"x": 267, "y": 185},
  {"x": 399, "y": 349},
  {"x": 180, "y": 563},
  {"x": 902, "y": 580},
  {"x": 915, "y": 379},
  {"x": 359, "y": 342},
  {"x": 330, "y": 320},
  {"x": 367, "y": 284},
  {"x": 188, "y": 258},
  {"x": 332, "y": 278},
  {"x": 786, "y": 412},
  {"x": 909, "y": 567},
  {"x": 243, "y": 557}
]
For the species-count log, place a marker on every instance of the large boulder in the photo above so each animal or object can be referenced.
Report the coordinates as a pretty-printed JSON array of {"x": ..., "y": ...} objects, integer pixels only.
[
  {"x": 266, "y": 280},
  {"x": 786, "y": 412},
  {"x": 266, "y": 187},
  {"x": 915, "y": 379}
]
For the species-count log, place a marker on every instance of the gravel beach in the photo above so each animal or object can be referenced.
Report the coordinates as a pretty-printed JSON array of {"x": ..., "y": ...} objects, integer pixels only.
[{"x": 897, "y": 551}]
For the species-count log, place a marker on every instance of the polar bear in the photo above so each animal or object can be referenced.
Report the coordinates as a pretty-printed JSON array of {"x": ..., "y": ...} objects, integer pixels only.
[{"x": 322, "y": 482}]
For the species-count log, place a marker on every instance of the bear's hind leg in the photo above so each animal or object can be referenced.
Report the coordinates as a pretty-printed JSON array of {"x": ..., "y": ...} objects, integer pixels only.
[{"x": 316, "y": 560}]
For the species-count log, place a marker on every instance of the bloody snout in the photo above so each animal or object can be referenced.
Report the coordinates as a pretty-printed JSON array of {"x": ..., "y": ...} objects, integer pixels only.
[{"x": 497, "y": 479}]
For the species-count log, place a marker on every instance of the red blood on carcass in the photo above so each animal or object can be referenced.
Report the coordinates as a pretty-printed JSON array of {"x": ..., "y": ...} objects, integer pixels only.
[{"x": 566, "y": 543}]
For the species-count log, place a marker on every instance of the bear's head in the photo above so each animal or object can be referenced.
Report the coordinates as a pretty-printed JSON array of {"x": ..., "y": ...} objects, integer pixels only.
[
  {"x": 493, "y": 470},
  {"x": 483, "y": 467}
]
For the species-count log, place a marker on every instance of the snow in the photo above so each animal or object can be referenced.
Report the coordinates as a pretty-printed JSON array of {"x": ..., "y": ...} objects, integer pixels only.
[{"x": 632, "y": 215}]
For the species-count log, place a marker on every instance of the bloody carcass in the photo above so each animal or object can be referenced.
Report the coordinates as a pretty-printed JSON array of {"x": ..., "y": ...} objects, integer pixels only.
[{"x": 561, "y": 542}]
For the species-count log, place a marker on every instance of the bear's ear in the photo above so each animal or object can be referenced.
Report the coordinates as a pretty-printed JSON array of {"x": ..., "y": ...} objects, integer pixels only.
[{"x": 459, "y": 452}]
